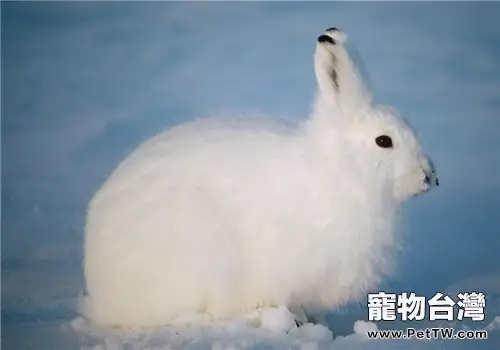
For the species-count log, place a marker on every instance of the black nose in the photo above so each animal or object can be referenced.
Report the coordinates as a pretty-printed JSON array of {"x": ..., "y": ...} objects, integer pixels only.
[{"x": 427, "y": 180}]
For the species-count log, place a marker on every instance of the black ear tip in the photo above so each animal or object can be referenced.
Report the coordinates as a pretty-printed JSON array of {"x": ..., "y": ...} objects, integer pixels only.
[
  {"x": 326, "y": 39},
  {"x": 332, "y": 29}
]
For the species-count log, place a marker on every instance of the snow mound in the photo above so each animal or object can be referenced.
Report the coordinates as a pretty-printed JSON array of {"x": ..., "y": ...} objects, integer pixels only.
[
  {"x": 312, "y": 332},
  {"x": 361, "y": 327},
  {"x": 272, "y": 328},
  {"x": 279, "y": 320}
]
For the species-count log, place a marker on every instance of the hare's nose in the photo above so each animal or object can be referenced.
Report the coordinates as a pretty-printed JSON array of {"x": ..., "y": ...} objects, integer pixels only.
[
  {"x": 428, "y": 179},
  {"x": 430, "y": 173}
]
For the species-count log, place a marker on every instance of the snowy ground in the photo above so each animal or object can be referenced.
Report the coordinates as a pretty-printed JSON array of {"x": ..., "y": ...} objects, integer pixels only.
[
  {"x": 50, "y": 322},
  {"x": 274, "y": 329}
]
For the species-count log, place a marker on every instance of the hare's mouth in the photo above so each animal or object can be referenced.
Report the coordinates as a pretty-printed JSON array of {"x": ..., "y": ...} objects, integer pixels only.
[
  {"x": 431, "y": 179},
  {"x": 414, "y": 183}
]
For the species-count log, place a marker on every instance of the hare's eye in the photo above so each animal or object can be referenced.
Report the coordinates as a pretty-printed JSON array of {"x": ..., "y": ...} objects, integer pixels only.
[{"x": 383, "y": 141}]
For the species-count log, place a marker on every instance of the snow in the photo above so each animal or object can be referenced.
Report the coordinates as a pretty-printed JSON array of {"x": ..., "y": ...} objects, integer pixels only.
[
  {"x": 312, "y": 332},
  {"x": 278, "y": 320},
  {"x": 361, "y": 327},
  {"x": 277, "y": 330},
  {"x": 268, "y": 328},
  {"x": 271, "y": 328},
  {"x": 495, "y": 324}
]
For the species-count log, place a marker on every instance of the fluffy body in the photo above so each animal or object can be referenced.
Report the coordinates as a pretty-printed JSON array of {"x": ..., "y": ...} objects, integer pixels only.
[{"x": 223, "y": 216}]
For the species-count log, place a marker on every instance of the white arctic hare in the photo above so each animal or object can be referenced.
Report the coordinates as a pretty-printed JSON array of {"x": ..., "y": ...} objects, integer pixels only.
[{"x": 226, "y": 216}]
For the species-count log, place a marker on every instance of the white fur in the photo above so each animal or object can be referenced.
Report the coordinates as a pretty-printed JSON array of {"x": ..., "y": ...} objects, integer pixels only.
[{"x": 224, "y": 216}]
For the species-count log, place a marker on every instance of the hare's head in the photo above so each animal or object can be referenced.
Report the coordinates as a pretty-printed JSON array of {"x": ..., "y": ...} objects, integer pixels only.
[{"x": 383, "y": 140}]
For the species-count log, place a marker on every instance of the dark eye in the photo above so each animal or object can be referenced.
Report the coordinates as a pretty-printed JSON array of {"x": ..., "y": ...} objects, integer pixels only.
[{"x": 383, "y": 141}]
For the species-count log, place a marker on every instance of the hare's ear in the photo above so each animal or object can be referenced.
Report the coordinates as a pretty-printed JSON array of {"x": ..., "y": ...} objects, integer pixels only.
[{"x": 338, "y": 79}]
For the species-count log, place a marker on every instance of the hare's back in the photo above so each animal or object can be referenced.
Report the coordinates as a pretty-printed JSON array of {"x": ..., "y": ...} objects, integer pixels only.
[{"x": 211, "y": 159}]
